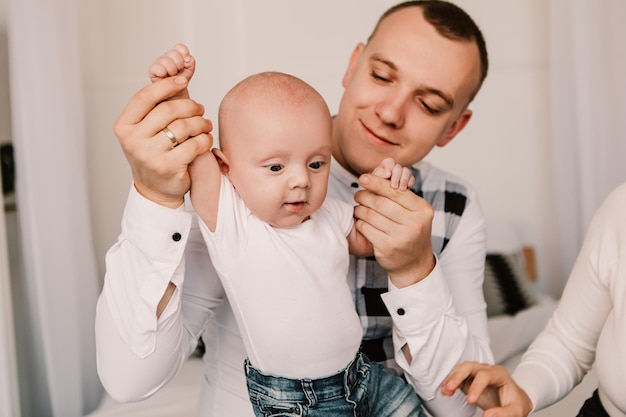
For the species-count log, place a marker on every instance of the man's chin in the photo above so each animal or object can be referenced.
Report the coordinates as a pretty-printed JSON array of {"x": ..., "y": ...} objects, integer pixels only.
[{"x": 366, "y": 164}]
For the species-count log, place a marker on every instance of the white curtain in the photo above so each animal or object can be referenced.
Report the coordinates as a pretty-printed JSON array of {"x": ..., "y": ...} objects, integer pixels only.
[
  {"x": 9, "y": 398},
  {"x": 588, "y": 71},
  {"x": 59, "y": 282}
]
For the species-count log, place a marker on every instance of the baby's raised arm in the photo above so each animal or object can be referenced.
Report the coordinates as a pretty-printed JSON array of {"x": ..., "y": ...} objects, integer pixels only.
[{"x": 204, "y": 173}]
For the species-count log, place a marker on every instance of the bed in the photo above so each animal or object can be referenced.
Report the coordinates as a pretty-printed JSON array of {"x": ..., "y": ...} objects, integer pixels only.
[{"x": 517, "y": 313}]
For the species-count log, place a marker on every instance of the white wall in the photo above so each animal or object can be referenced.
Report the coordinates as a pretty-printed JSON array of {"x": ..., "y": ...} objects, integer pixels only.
[
  {"x": 5, "y": 100},
  {"x": 504, "y": 152},
  {"x": 9, "y": 397}
]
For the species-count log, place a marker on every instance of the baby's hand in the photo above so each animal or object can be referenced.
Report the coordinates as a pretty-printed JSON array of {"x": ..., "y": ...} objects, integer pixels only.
[
  {"x": 400, "y": 177},
  {"x": 176, "y": 61}
]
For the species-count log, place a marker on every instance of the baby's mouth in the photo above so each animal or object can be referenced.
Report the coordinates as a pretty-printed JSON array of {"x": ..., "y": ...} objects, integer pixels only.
[{"x": 296, "y": 206}]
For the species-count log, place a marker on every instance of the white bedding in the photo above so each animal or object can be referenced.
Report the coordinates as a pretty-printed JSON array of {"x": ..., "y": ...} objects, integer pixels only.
[{"x": 512, "y": 334}]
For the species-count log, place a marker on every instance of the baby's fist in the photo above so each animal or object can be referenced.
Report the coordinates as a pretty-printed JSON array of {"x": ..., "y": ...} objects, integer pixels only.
[
  {"x": 176, "y": 61},
  {"x": 399, "y": 177}
]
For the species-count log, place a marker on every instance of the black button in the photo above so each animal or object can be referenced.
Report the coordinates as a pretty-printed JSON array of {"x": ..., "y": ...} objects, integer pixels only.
[
  {"x": 400, "y": 311},
  {"x": 176, "y": 237},
  {"x": 354, "y": 185}
]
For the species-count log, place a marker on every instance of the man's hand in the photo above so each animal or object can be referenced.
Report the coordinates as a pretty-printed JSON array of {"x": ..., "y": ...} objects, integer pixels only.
[
  {"x": 159, "y": 168},
  {"x": 398, "y": 224}
]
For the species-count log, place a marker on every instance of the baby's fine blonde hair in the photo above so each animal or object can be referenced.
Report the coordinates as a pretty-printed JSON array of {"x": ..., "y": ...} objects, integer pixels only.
[{"x": 270, "y": 88}]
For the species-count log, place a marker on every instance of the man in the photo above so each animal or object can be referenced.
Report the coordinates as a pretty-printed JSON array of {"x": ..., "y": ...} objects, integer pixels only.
[{"x": 407, "y": 90}]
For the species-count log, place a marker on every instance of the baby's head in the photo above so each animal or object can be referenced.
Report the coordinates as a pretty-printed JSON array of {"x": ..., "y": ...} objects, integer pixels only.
[{"x": 275, "y": 140}]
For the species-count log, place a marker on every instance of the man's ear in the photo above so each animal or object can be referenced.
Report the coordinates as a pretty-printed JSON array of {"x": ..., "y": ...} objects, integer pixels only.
[
  {"x": 222, "y": 161},
  {"x": 353, "y": 58},
  {"x": 455, "y": 128}
]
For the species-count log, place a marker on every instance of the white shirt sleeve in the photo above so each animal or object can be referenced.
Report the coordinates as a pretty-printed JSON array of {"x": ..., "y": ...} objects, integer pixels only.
[
  {"x": 136, "y": 353},
  {"x": 443, "y": 318},
  {"x": 588, "y": 324}
]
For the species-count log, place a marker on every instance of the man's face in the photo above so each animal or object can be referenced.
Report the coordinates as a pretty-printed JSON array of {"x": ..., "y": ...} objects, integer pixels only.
[{"x": 406, "y": 91}]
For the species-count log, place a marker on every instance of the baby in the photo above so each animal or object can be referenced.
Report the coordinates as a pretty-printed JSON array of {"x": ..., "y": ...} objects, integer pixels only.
[{"x": 280, "y": 247}]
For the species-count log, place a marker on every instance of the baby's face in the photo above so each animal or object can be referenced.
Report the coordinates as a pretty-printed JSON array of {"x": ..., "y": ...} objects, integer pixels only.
[{"x": 281, "y": 162}]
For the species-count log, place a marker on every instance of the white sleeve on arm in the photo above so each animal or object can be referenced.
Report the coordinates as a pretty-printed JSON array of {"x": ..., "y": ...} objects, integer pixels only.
[
  {"x": 443, "y": 318},
  {"x": 565, "y": 350},
  {"x": 136, "y": 353}
]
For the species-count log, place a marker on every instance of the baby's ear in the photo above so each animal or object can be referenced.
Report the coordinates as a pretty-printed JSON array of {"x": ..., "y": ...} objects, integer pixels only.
[{"x": 222, "y": 161}]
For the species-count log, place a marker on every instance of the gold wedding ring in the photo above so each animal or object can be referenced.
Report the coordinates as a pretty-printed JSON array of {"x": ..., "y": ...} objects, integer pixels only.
[{"x": 170, "y": 136}]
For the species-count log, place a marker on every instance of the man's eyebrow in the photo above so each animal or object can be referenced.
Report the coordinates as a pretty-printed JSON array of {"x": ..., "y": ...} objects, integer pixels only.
[
  {"x": 379, "y": 58},
  {"x": 434, "y": 91},
  {"x": 428, "y": 90}
]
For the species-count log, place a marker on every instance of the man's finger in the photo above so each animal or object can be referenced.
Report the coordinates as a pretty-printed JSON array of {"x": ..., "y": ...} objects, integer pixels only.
[
  {"x": 382, "y": 187},
  {"x": 173, "y": 112},
  {"x": 375, "y": 219},
  {"x": 371, "y": 233},
  {"x": 148, "y": 97},
  {"x": 182, "y": 129},
  {"x": 187, "y": 152}
]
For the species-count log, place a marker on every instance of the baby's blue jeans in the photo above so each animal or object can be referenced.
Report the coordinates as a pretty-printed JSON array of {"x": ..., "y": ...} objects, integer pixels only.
[{"x": 362, "y": 389}]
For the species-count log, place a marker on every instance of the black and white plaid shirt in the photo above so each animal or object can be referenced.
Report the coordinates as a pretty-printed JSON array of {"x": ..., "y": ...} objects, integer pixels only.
[{"x": 449, "y": 197}]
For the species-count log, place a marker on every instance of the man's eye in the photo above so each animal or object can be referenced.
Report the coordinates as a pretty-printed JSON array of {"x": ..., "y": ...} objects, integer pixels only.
[
  {"x": 315, "y": 165},
  {"x": 378, "y": 77},
  {"x": 427, "y": 108},
  {"x": 430, "y": 109},
  {"x": 275, "y": 167}
]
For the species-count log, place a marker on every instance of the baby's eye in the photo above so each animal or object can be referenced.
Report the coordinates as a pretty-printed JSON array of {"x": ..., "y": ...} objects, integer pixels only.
[
  {"x": 315, "y": 165},
  {"x": 275, "y": 167}
]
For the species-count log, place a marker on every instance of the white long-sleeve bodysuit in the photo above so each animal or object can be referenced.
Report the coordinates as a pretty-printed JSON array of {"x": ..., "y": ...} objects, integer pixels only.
[{"x": 287, "y": 287}]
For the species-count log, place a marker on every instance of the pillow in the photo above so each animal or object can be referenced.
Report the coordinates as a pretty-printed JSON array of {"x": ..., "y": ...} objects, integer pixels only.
[
  {"x": 510, "y": 335},
  {"x": 507, "y": 286}
]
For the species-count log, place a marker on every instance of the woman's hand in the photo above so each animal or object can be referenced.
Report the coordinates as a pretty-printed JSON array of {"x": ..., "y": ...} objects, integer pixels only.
[{"x": 490, "y": 387}]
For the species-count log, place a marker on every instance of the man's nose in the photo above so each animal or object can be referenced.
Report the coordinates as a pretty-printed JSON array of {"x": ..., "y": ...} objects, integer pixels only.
[{"x": 391, "y": 110}]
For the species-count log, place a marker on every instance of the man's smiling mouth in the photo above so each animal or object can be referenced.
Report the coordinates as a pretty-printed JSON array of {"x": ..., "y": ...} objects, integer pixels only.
[{"x": 376, "y": 136}]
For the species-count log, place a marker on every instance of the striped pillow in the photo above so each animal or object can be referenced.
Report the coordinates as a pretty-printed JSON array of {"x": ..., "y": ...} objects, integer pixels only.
[{"x": 507, "y": 286}]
